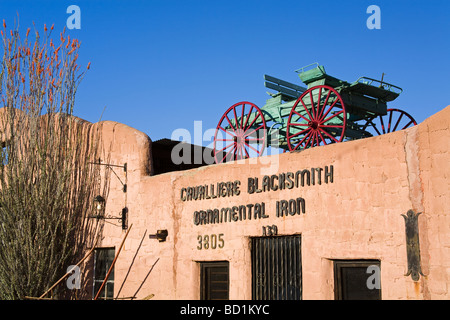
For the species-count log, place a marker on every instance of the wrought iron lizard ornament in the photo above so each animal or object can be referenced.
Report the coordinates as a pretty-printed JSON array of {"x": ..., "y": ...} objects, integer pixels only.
[{"x": 412, "y": 245}]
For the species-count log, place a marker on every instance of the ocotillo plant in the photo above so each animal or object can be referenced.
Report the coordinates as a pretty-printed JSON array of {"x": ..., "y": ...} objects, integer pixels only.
[{"x": 47, "y": 183}]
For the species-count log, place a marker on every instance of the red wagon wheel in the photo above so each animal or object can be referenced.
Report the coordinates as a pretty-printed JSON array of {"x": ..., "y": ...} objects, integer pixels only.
[
  {"x": 394, "y": 120},
  {"x": 317, "y": 118},
  {"x": 241, "y": 133}
]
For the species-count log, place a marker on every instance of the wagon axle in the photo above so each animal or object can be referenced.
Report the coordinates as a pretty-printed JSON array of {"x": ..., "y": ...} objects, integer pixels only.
[{"x": 314, "y": 124}]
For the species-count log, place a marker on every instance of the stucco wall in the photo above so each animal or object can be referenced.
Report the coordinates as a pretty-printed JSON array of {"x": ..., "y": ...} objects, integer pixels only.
[{"x": 357, "y": 216}]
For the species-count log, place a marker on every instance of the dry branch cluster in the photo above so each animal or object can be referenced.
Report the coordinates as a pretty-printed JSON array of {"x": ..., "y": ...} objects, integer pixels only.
[{"x": 46, "y": 182}]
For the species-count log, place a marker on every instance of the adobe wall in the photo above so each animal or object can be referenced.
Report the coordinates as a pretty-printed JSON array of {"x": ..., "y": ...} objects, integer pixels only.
[{"x": 357, "y": 215}]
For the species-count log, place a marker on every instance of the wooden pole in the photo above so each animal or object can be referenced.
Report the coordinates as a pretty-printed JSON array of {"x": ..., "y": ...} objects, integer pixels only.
[
  {"x": 35, "y": 298},
  {"x": 63, "y": 277},
  {"x": 112, "y": 264}
]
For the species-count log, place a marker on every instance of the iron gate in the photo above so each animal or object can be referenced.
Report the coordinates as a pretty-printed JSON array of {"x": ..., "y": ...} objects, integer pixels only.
[{"x": 276, "y": 268}]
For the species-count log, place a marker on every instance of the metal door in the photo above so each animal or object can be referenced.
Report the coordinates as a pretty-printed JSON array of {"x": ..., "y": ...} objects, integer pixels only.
[{"x": 277, "y": 268}]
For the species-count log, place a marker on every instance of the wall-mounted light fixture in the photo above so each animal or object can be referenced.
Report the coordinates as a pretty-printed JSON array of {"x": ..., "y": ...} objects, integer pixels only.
[
  {"x": 160, "y": 235},
  {"x": 99, "y": 204}
]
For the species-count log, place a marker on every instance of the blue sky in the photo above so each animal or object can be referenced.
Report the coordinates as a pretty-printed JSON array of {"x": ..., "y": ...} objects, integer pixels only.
[{"x": 159, "y": 66}]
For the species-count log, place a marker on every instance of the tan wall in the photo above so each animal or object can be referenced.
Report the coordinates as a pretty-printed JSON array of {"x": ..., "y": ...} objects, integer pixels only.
[{"x": 357, "y": 216}]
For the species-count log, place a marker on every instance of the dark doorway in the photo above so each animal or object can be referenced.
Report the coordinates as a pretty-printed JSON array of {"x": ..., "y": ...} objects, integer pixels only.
[{"x": 214, "y": 280}]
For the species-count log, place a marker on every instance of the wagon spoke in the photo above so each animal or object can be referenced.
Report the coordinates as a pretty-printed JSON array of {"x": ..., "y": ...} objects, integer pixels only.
[
  {"x": 251, "y": 124},
  {"x": 328, "y": 111},
  {"x": 234, "y": 147},
  {"x": 254, "y": 130},
  {"x": 316, "y": 138},
  {"x": 334, "y": 115},
  {"x": 313, "y": 139},
  {"x": 301, "y": 141},
  {"x": 410, "y": 122},
  {"x": 235, "y": 117},
  {"x": 225, "y": 147},
  {"x": 311, "y": 135},
  {"x": 300, "y": 115},
  {"x": 298, "y": 133},
  {"x": 324, "y": 105},
  {"x": 238, "y": 154},
  {"x": 316, "y": 133},
  {"x": 226, "y": 131},
  {"x": 329, "y": 135},
  {"x": 318, "y": 103},
  {"x": 321, "y": 137},
  {"x": 398, "y": 121},
  {"x": 242, "y": 116},
  {"x": 251, "y": 147},
  {"x": 246, "y": 152},
  {"x": 312, "y": 106},
  {"x": 390, "y": 120},
  {"x": 243, "y": 149},
  {"x": 382, "y": 124},
  {"x": 248, "y": 116},
  {"x": 234, "y": 129},
  {"x": 306, "y": 109}
]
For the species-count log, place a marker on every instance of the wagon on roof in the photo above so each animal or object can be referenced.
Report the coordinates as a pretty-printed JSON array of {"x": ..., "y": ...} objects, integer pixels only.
[{"x": 295, "y": 118}]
